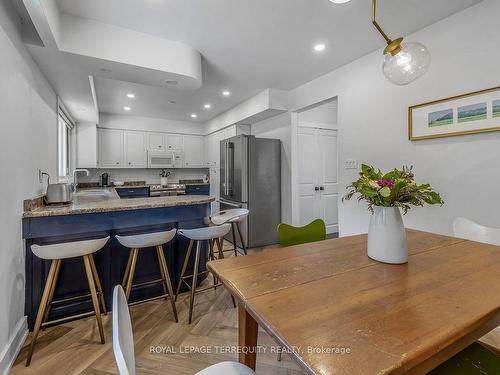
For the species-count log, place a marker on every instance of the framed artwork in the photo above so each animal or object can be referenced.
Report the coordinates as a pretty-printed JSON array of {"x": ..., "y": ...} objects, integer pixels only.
[{"x": 476, "y": 112}]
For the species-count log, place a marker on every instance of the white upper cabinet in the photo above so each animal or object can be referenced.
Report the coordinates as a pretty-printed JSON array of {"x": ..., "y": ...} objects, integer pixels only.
[
  {"x": 194, "y": 151},
  {"x": 110, "y": 148},
  {"x": 135, "y": 149},
  {"x": 174, "y": 142},
  {"x": 156, "y": 141}
]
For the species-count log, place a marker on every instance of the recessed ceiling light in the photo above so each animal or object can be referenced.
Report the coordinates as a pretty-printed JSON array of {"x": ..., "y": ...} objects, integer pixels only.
[
  {"x": 127, "y": 108},
  {"x": 340, "y": 1},
  {"x": 207, "y": 106},
  {"x": 319, "y": 47},
  {"x": 226, "y": 93},
  {"x": 131, "y": 96},
  {"x": 194, "y": 115},
  {"x": 171, "y": 82}
]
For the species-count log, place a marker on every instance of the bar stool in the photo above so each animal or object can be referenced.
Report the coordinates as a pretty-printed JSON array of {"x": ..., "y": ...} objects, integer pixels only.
[
  {"x": 198, "y": 235},
  {"x": 142, "y": 241},
  {"x": 234, "y": 217},
  {"x": 56, "y": 253}
]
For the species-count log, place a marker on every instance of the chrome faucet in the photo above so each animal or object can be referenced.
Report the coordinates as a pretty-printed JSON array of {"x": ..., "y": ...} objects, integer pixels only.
[{"x": 75, "y": 183}]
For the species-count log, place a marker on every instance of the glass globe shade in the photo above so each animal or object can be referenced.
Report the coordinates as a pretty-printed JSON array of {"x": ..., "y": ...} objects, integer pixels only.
[{"x": 408, "y": 64}]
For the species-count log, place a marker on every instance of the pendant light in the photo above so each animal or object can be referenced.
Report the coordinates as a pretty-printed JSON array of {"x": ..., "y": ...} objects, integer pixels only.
[{"x": 403, "y": 62}]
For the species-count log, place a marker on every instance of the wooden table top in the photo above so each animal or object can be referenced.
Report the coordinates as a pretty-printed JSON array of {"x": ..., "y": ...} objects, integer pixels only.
[{"x": 394, "y": 319}]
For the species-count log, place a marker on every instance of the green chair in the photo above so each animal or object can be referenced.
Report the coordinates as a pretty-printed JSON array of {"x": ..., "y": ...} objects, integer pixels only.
[
  {"x": 289, "y": 235},
  {"x": 312, "y": 232},
  {"x": 473, "y": 360}
]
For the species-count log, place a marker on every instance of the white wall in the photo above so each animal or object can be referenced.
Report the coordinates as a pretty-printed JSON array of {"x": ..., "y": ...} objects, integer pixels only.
[
  {"x": 279, "y": 127},
  {"x": 28, "y": 137},
  {"x": 107, "y": 120},
  {"x": 373, "y": 121}
]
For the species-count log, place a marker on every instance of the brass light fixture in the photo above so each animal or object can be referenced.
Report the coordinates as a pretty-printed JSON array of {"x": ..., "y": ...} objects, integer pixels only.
[{"x": 403, "y": 62}]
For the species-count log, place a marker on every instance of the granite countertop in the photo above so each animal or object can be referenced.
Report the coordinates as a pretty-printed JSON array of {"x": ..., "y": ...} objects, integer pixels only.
[{"x": 89, "y": 201}]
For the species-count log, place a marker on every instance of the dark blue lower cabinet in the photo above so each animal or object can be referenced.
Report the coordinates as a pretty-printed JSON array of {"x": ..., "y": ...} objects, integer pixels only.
[
  {"x": 111, "y": 260},
  {"x": 197, "y": 189}
]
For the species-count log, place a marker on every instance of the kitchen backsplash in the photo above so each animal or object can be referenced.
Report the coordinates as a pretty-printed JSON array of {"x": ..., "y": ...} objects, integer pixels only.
[{"x": 151, "y": 176}]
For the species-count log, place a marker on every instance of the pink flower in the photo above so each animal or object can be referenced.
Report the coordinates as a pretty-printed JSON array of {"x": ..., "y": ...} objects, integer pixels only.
[{"x": 388, "y": 182}]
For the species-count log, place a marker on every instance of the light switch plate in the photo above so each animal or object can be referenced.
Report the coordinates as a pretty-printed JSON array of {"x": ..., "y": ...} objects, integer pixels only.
[{"x": 351, "y": 164}]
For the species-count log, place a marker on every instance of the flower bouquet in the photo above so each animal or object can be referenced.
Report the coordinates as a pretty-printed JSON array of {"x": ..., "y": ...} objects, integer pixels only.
[{"x": 386, "y": 193}]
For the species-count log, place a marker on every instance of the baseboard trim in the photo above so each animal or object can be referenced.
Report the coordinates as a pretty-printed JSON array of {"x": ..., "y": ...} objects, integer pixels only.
[{"x": 11, "y": 350}]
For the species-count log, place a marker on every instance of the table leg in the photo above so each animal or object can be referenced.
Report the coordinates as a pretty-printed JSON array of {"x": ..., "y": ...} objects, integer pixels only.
[{"x": 248, "y": 329}]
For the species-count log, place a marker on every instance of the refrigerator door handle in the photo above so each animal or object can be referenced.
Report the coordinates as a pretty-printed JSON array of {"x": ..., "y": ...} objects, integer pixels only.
[
  {"x": 230, "y": 168},
  {"x": 226, "y": 154}
]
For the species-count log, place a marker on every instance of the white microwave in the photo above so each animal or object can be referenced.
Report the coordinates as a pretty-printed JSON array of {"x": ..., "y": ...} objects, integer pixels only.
[{"x": 164, "y": 159}]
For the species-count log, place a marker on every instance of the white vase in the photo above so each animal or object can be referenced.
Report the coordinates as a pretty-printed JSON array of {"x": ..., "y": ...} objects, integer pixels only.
[
  {"x": 387, "y": 236},
  {"x": 164, "y": 181}
]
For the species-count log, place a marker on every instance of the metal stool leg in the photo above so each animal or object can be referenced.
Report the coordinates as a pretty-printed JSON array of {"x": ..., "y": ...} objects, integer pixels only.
[
  {"x": 235, "y": 246},
  {"x": 168, "y": 281},
  {"x": 130, "y": 276},
  {"x": 241, "y": 238},
  {"x": 184, "y": 266},
  {"x": 195, "y": 279},
  {"x": 41, "y": 309},
  {"x": 93, "y": 292},
  {"x": 98, "y": 284}
]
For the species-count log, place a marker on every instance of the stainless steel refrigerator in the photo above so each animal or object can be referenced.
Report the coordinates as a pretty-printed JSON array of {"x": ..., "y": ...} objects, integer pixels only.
[{"x": 250, "y": 177}]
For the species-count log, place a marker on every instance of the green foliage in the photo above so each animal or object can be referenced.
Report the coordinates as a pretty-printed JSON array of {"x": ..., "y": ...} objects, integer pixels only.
[{"x": 396, "y": 188}]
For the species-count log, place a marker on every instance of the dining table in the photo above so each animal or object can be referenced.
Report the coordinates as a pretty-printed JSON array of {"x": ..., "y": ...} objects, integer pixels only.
[{"x": 336, "y": 311}]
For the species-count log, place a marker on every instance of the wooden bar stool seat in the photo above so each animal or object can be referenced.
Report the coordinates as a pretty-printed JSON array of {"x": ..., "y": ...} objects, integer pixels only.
[
  {"x": 198, "y": 235},
  {"x": 234, "y": 217},
  {"x": 143, "y": 241},
  {"x": 56, "y": 253}
]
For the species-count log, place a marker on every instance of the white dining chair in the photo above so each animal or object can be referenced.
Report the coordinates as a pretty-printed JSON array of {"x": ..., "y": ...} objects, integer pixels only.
[
  {"x": 470, "y": 230},
  {"x": 123, "y": 343}
]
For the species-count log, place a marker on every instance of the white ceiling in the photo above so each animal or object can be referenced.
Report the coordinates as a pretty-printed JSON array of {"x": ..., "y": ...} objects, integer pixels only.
[{"x": 247, "y": 45}]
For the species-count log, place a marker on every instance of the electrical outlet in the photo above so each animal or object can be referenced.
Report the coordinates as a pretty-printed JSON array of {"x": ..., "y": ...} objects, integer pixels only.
[{"x": 351, "y": 164}]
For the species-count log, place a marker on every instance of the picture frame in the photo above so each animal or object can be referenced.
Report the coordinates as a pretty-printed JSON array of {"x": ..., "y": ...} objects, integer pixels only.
[{"x": 471, "y": 113}]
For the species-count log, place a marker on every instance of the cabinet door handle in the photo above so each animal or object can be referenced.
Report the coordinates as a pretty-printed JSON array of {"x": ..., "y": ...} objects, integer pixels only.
[
  {"x": 316, "y": 188},
  {"x": 322, "y": 188}
]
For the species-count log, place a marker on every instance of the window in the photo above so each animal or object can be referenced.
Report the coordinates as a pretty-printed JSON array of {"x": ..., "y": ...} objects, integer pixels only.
[{"x": 64, "y": 130}]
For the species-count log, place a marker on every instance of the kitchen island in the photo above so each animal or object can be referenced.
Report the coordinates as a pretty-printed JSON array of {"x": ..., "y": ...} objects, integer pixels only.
[{"x": 98, "y": 213}]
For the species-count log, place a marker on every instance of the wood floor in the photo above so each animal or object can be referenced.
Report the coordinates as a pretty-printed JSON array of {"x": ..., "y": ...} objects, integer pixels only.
[{"x": 73, "y": 348}]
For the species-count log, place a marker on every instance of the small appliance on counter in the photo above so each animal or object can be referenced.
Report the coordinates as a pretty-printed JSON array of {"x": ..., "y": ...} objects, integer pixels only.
[
  {"x": 58, "y": 194},
  {"x": 104, "y": 180}
]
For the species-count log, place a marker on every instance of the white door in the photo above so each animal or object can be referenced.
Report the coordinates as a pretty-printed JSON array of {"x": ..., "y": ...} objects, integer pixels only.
[
  {"x": 174, "y": 142},
  {"x": 308, "y": 164},
  {"x": 194, "y": 151},
  {"x": 318, "y": 177},
  {"x": 135, "y": 149},
  {"x": 156, "y": 141},
  {"x": 110, "y": 148},
  {"x": 328, "y": 179}
]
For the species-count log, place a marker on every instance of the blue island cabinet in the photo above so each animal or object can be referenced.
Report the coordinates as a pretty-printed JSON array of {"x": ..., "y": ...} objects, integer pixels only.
[{"x": 111, "y": 260}]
